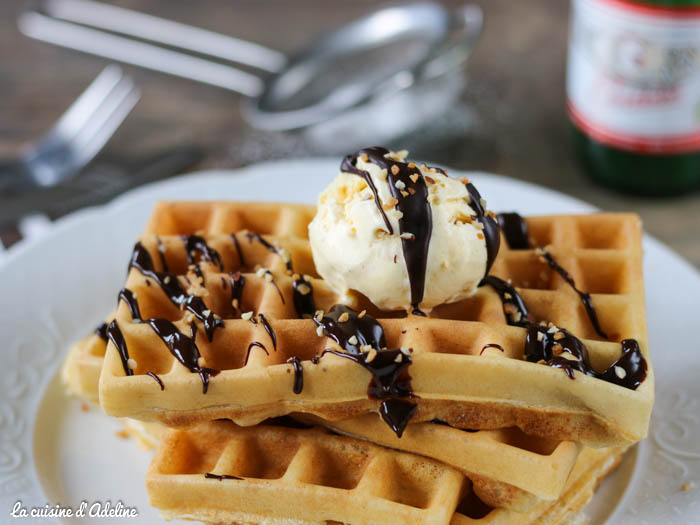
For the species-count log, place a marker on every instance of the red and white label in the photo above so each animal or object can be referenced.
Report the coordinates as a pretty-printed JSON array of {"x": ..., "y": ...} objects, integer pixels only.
[{"x": 633, "y": 77}]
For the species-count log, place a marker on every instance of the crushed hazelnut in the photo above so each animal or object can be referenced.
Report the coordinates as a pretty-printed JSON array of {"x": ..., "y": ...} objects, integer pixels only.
[
  {"x": 371, "y": 354},
  {"x": 395, "y": 170},
  {"x": 343, "y": 317},
  {"x": 362, "y": 314},
  {"x": 353, "y": 340},
  {"x": 620, "y": 372},
  {"x": 246, "y": 316}
]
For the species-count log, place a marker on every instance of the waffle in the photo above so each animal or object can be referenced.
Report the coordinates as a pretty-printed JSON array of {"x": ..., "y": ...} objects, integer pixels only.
[
  {"x": 453, "y": 380},
  {"x": 283, "y": 475},
  {"x": 507, "y": 468}
]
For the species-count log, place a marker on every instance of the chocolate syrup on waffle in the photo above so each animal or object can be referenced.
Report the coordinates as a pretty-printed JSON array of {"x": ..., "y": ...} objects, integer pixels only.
[
  {"x": 101, "y": 331},
  {"x": 298, "y": 374},
  {"x": 183, "y": 348},
  {"x": 269, "y": 330},
  {"x": 416, "y": 219},
  {"x": 129, "y": 298},
  {"x": 389, "y": 367},
  {"x": 515, "y": 230},
  {"x": 492, "y": 231},
  {"x": 238, "y": 249},
  {"x": 115, "y": 335},
  {"x": 220, "y": 477},
  {"x": 195, "y": 244},
  {"x": 156, "y": 379},
  {"x": 518, "y": 238},
  {"x": 491, "y": 345},
  {"x": 237, "y": 282},
  {"x": 547, "y": 344},
  {"x": 251, "y": 346},
  {"x": 303, "y": 302},
  {"x": 142, "y": 261},
  {"x": 585, "y": 296}
]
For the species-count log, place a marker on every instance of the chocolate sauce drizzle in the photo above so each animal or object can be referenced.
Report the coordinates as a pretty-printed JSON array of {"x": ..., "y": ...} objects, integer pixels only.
[
  {"x": 237, "y": 282},
  {"x": 195, "y": 244},
  {"x": 115, "y": 335},
  {"x": 413, "y": 203},
  {"x": 183, "y": 348},
  {"x": 547, "y": 344},
  {"x": 518, "y": 238},
  {"x": 491, "y": 345},
  {"x": 303, "y": 303},
  {"x": 238, "y": 250},
  {"x": 101, "y": 331},
  {"x": 585, "y": 296},
  {"x": 269, "y": 330},
  {"x": 389, "y": 367},
  {"x": 141, "y": 260},
  {"x": 128, "y": 297},
  {"x": 221, "y": 477},
  {"x": 156, "y": 379},
  {"x": 251, "y": 346},
  {"x": 515, "y": 230},
  {"x": 492, "y": 231},
  {"x": 298, "y": 374}
]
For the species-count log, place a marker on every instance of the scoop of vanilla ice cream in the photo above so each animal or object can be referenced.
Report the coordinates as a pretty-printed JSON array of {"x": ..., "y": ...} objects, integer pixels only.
[{"x": 353, "y": 250}]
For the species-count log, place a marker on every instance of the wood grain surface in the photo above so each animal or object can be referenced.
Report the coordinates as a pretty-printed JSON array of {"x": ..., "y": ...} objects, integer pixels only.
[{"x": 511, "y": 119}]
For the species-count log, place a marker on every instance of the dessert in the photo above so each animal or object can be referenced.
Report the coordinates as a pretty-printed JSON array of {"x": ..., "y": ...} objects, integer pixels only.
[
  {"x": 459, "y": 374},
  {"x": 405, "y": 235},
  {"x": 469, "y": 360},
  {"x": 220, "y": 473}
]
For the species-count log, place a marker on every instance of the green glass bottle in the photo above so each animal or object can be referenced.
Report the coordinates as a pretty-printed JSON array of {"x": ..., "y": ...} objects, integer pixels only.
[{"x": 633, "y": 93}]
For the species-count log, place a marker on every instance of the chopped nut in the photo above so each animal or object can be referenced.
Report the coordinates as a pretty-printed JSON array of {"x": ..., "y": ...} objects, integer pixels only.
[
  {"x": 364, "y": 158},
  {"x": 352, "y": 340},
  {"x": 557, "y": 349},
  {"x": 206, "y": 313},
  {"x": 620, "y": 372},
  {"x": 517, "y": 316},
  {"x": 412, "y": 165},
  {"x": 371, "y": 354},
  {"x": 318, "y": 315},
  {"x": 687, "y": 486},
  {"x": 304, "y": 289},
  {"x": 362, "y": 314},
  {"x": 296, "y": 276},
  {"x": 552, "y": 329},
  {"x": 509, "y": 308},
  {"x": 398, "y": 358},
  {"x": 414, "y": 177},
  {"x": 247, "y": 316},
  {"x": 430, "y": 179},
  {"x": 540, "y": 336},
  {"x": 268, "y": 277},
  {"x": 132, "y": 364},
  {"x": 507, "y": 296},
  {"x": 167, "y": 279},
  {"x": 480, "y": 235},
  {"x": 395, "y": 170},
  {"x": 408, "y": 236},
  {"x": 406, "y": 351},
  {"x": 260, "y": 272},
  {"x": 390, "y": 203},
  {"x": 343, "y": 317},
  {"x": 123, "y": 434},
  {"x": 235, "y": 303},
  {"x": 404, "y": 193},
  {"x": 464, "y": 180},
  {"x": 411, "y": 191},
  {"x": 201, "y": 362},
  {"x": 319, "y": 331},
  {"x": 400, "y": 185},
  {"x": 482, "y": 201},
  {"x": 559, "y": 335}
]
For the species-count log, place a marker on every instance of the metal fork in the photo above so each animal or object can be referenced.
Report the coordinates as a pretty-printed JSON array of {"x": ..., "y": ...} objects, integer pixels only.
[{"x": 75, "y": 139}]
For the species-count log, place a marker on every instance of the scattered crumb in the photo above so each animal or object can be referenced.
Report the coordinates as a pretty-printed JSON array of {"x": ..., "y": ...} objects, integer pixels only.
[
  {"x": 687, "y": 486},
  {"x": 84, "y": 407},
  {"x": 122, "y": 434}
]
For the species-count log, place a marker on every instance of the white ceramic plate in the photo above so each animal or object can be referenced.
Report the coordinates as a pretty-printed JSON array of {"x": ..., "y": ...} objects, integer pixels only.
[{"x": 54, "y": 289}]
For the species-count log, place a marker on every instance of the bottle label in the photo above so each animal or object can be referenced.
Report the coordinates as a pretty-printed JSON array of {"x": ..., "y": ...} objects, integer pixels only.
[{"x": 633, "y": 77}]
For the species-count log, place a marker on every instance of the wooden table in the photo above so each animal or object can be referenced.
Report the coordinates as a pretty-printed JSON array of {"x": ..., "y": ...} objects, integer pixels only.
[{"x": 514, "y": 116}]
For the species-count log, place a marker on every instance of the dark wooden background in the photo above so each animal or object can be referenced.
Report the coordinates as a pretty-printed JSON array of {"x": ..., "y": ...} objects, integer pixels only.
[{"x": 515, "y": 99}]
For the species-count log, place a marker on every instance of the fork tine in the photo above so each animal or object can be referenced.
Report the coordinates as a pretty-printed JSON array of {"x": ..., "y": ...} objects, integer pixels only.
[
  {"x": 81, "y": 111},
  {"x": 93, "y": 138}
]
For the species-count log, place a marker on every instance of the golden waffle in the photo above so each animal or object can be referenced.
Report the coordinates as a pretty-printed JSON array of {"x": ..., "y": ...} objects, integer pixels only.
[
  {"x": 507, "y": 468},
  {"x": 452, "y": 379},
  {"x": 309, "y": 476}
]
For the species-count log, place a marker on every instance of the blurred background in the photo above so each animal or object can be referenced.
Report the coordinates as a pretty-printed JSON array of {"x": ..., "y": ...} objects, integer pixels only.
[{"x": 510, "y": 118}]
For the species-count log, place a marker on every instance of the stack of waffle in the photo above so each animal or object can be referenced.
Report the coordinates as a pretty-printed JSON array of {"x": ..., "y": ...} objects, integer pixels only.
[{"x": 217, "y": 354}]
